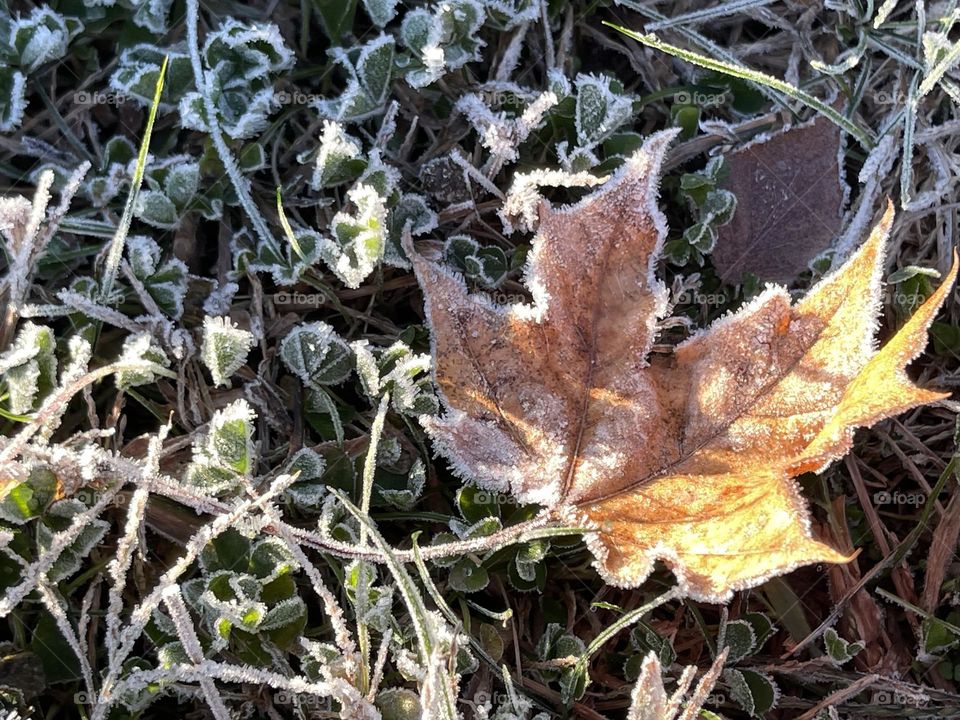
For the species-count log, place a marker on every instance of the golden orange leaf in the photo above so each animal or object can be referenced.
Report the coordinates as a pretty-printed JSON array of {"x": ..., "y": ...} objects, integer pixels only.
[{"x": 688, "y": 458}]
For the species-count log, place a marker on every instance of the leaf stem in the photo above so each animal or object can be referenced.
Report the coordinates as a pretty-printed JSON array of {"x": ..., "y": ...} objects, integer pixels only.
[{"x": 624, "y": 622}]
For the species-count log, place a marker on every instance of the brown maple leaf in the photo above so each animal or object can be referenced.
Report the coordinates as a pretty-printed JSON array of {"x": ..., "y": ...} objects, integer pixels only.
[{"x": 687, "y": 458}]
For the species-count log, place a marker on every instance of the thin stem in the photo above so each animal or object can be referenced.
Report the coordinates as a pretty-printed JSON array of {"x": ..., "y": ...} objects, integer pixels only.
[
  {"x": 624, "y": 622},
  {"x": 120, "y": 237},
  {"x": 369, "y": 468}
]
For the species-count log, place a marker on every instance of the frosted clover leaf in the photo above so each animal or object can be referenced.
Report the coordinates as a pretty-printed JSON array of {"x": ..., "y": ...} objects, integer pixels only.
[
  {"x": 152, "y": 14},
  {"x": 243, "y": 60},
  {"x": 149, "y": 14},
  {"x": 140, "y": 350},
  {"x": 104, "y": 186},
  {"x": 306, "y": 492},
  {"x": 381, "y": 11},
  {"x": 399, "y": 371},
  {"x": 410, "y": 214},
  {"x": 42, "y": 37},
  {"x": 441, "y": 41},
  {"x": 369, "y": 70},
  {"x": 601, "y": 108},
  {"x": 172, "y": 183},
  {"x": 225, "y": 455},
  {"x": 381, "y": 177},
  {"x": 242, "y": 53},
  {"x": 339, "y": 160},
  {"x": 238, "y": 589},
  {"x": 358, "y": 237},
  {"x": 712, "y": 207},
  {"x": 316, "y": 354},
  {"x": 486, "y": 265},
  {"x": 29, "y": 368},
  {"x": 138, "y": 69},
  {"x": 225, "y": 348},
  {"x": 406, "y": 498},
  {"x": 241, "y": 113},
  {"x": 166, "y": 282}
]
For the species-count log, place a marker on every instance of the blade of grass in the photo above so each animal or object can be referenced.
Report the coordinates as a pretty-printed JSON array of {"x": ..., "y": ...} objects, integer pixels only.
[
  {"x": 906, "y": 164},
  {"x": 700, "y": 16},
  {"x": 285, "y": 224},
  {"x": 704, "y": 44},
  {"x": 120, "y": 236},
  {"x": 939, "y": 70},
  {"x": 422, "y": 624},
  {"x": 631, "y": 618},
  {"x": 862, "y": 135},
  {"x": 369, "y": 466}
]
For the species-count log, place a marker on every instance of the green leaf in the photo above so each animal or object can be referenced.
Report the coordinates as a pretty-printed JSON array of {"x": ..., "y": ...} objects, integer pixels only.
[
  {"x": 336, "y": 17},
  {"x": 752, "y": 691},
  {"x": 467, "y": 576},
  {"x": 226, "y": 452},
  {"x": 227, "y": 551},
  {"x": 739, "y": 637},
  {"x": 937, "y": 636},
  {"x": 60, "y": 663},
  {"x": 838, "y": 649},
  {"x": 181, "y": 184},
  {"x": 224, "y": 349},
  {"x": 316, "y": 354},
  {"x": 30, "y": 498}
]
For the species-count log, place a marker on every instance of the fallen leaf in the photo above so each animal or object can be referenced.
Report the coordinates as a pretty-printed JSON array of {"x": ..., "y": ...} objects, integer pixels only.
[
  {"x": 790, "y": 197},
  {"x": 686, "y": 458}
]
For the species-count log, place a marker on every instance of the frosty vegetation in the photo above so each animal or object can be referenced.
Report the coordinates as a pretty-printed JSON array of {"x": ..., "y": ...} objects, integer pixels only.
[{"x": 166, "y": 527}]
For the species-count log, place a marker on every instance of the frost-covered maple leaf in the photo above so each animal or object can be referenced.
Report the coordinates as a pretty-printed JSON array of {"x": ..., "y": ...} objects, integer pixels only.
[{"x": 688, "y": 458}]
